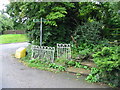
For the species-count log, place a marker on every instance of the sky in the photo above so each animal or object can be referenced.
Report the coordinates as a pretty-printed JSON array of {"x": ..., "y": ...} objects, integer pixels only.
[{"x": 3, "y": 3}]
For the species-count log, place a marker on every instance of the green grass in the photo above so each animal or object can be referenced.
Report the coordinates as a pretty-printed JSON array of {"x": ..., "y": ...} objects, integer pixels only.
[
  {"x": 37, "y": 64},
  {"x": 12, "y": 38}
]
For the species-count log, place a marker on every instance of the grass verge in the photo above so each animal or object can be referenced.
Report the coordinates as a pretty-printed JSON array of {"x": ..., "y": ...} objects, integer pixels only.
[
  {"x": 12, "y": 38},
  {"x": 37, "y": 64}
]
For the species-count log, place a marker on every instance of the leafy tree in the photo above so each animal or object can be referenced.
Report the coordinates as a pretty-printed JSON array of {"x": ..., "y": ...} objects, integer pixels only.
[
  {"x": 61, "y": 18},
  {"x": 5, "y": 23}
]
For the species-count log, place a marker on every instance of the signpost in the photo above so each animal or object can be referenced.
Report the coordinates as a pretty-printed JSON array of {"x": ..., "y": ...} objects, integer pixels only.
[
  {"x": 37, "y": 21},
  {"x": 41, "y": 33},
  {"x": 40, "y": 21}
]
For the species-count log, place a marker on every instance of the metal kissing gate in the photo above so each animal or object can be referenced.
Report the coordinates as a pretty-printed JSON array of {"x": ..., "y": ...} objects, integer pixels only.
[{"x": 43, "y": 53}]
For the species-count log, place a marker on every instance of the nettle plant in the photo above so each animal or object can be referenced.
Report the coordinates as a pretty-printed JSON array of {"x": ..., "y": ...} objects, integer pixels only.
[{"x": 108, "y": 65}]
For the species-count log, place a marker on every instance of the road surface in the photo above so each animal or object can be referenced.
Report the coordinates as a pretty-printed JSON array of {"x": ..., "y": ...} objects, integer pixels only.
[{"x": 14, "y": 74}]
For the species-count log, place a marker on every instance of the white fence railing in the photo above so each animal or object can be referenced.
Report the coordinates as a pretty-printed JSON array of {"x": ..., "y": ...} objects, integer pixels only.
[
  {"x": 43, "y": 53},
  {"x": 64, "y": 51}
]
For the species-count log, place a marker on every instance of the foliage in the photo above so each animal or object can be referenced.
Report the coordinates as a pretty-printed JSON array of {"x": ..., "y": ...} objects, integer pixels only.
[
  {"x": 70, "y": 63},
  {"x": 78, "y": 65},
  {"x": 82, "y": 52},
  {"x": 59, "y": 67},
  {"x": 52, "y": 12},
  {"x": 19, "y": 26},
  {"x": 93, "y": 76},
  {"x": 61, "y": 61},
  {"x": 78, "y": 74},
  {"x": 89, "y": 26},
  {"x": 106, "y": 57},
  {"x": 13, "y": 38},
  {"x": 89, "y": 32},
  {"x": 36, "y": 63},
  {"x": 5, "y": 23},
  {"x": 108, "y": 62},
  {"x": 111, "y": 20},
  {"x": 61, "y": 20}
]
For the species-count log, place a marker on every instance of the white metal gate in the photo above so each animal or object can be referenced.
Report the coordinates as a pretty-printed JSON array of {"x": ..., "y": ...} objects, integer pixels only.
[
  {"x": 64, "y": 51},
  {"x": 43, "y": 53}
]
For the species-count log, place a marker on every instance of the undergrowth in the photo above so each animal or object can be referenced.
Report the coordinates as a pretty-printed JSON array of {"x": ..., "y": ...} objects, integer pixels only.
[{"x": 105, "y": 56}]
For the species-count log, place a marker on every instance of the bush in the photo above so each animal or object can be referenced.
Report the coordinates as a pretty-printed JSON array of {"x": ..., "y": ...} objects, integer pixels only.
[
  {"x": 93, "y": 77},
  {"x": 84, "y": 51},
  {"x": 108, "y": 66},
  {"x": 89, "y": 32}
]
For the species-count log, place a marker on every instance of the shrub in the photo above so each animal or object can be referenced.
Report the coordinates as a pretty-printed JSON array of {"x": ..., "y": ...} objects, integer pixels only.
[
  {"x": 70, "y": 63},
  {"x": 89, "y": 32},
  {"x": 93, "y": 77},
  {"x": 108, "y": 66}
]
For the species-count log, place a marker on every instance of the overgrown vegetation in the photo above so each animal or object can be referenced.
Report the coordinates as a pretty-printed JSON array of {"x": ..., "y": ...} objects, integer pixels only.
[
  {"x": 93, "y": 29},
  {"x": 89, "y": 32},
  {"x": 108, "y": 62},
  {"x": 68, "y": 22}
]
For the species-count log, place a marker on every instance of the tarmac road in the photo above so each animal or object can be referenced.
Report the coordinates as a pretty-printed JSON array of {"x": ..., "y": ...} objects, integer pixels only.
[{"x": 14, "y": 74}]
